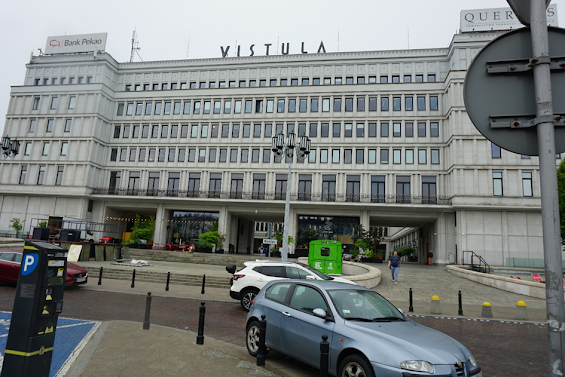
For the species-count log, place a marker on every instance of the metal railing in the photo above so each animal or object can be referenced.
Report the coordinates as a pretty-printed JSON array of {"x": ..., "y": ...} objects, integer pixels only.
[
  {"x": 276, "y": 195},
  {"x": 482, "y": 265}
]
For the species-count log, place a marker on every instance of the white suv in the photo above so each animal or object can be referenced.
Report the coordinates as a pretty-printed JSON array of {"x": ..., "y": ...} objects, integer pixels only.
[{"x": 247, "y": 282}]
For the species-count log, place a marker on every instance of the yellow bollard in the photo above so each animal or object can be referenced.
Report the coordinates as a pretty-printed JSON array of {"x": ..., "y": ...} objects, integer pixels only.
[
  {"x": 521, "y": 310},
  {"x": 487, "y": 310},
  {"x": 436, "y": 306}
]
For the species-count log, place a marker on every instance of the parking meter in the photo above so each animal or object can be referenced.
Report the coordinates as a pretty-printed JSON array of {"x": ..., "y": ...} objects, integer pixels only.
[{"x": 38, "y": 302}]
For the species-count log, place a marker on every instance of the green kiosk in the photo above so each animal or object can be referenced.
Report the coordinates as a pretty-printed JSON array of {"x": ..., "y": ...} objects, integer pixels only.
[{"x": 325, "y": 256}]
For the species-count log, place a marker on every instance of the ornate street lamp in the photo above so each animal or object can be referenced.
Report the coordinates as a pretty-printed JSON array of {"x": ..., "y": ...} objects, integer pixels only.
[
  {"x": 10, "y": 148},
  {"x": 280, "y": 148}
]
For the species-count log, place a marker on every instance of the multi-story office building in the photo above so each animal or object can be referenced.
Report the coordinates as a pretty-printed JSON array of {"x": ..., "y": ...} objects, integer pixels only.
[{"x": 189, "y": 142}]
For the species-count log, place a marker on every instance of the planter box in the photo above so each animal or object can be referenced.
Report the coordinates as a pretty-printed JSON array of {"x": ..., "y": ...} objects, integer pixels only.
[
  {"x": 220, "y": 251},
  {"x": 41, "y": 234}
]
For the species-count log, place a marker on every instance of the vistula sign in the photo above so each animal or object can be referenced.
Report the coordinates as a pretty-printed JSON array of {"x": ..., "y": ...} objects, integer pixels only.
[{"x": 285, "y": 49}]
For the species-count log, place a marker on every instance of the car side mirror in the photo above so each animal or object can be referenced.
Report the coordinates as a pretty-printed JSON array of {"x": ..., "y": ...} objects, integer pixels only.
[
  {"x": 320, "y": 313},
  {"x": 400, "y": 310},
  {"x": 310, "y": 277},
  {"x": 231, "y": 268}
]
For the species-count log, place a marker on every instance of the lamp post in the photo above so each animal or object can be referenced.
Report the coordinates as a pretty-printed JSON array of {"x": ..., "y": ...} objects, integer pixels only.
[
  {"x": 10, "y": 148},
  {"x": 280, "y": 148}
]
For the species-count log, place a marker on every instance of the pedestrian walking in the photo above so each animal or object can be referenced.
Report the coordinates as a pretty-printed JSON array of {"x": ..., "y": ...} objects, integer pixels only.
[
  {"x": 430, "y": 257},
  {"x": 261, "y": 250},
  {"x": 394, "y": 265}
]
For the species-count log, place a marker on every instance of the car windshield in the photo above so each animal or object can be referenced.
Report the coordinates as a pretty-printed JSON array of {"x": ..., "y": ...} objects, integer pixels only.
[
  {"x": 319, "y": 274},
  {"x": 362, "y": 305}
]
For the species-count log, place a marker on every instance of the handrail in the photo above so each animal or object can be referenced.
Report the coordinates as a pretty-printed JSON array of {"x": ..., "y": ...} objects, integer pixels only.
[{"x": 483, "y": 266}]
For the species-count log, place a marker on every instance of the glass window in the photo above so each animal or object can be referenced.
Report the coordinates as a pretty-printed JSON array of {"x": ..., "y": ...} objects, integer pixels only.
[
  {"x": 142, "y": 152},
  {"x": 347, "y": 156},
  {"x": 527, "y": 184},
  {"x": 72, "y": 102},
  {"x": 201, "y": 154},
  {"x": 191, "y": 154},
  {"x": 324, "y": 156},
  {"x": 396, "y": 129},
  {"x": 305, "y": 81},
  {"x": 164, "y": 131},
  {"x": 223, "y": 154},
  {"x": 335, "y": 156},
  {"x": 217, "y": 107},
  {"x": 273, "y": 82},
  {"x": 183, "y": 130},
  {"x": 396, "y": 156},
  {"x": 244, "y": 154},
  {"x": 421, "y": 129},
  {"x": 255, "y": 155},
  {"x": 497, "y": 183},
  {"x": 433, "y": 103},
  {"x": 246, "y": 130},
  {"x": 409, "y": 156},
  {"x": 359, "y": 156},
  {"x": 291, "y": 105},
  {"x": 207, "y": 105},
  {"x": 325, "y": 104},
  {"x": 327, "y": 81},
  {"x": 372, "y": 156},
  {"x": 360, "y": 130},
  {"x": 419, "y": 78},
  {"x": 495, "y": 151},
  {"x": 270, "y": 105},
  {"x": 384, "y": 156},
  {"x": 316, "y": 81},
  {"x": 421, "y": 103},
  {"x": 257, "y": 130},
  {"x": 384, "y": 103},
  {"x": 233, "y": 155},
  {"x": 384, "y": 79},
  {"x": 338, "y": 80},
  {"x": 337, "y": 104},
  {"x": 409, "y": 129},
  {"x": 434, "y": 129},
  {"x": 407, "y": 78},
  {"x": 196, "y": 109},
  {"x": 49, "y": 126},
  {"x": 227, "y": 106},
  {"x": 348, "y": 130},
  {"x": 384, "y": 129},
  {"x": 396, "y": 105},
  {"x": 372, "y": 130},
  {"x": 280, "y": 106},
  {"x": 41, "y": 175},
  {"x": 262, "y": 82},
  {"x": 303, "y": 105},
  {"x": 235, "y": 131},
  {"x": 167, "y": 110},
  {"x": 204, "y": 131},
  {"x": 225, "y": 130},
  {"x": 336, "y": 129},
  {"x": 214, "y": 130},
  {"x": 259, "y": 106},
  {"x": 434, "y": 156},
  {"x": 422, "y": 154},
  {"x": 409, "y": 103},
  {"x": 54, "y": 103},
  {"x": 395, "y": 79},
  {"x": 349, "y": 104},
  {"x": 268, "y": 130},
  {"x": 158, "y": 108},
  {"x": 325, "y": 130},
  {"x": 32, "y": 125},
  {"x": 431, "y": 78},
  {"x": 360, "y": 103},
  {"x": 266, "y": 155},
  {"x": 68, "y": 123},
  {"x": 248, "y": 106}
]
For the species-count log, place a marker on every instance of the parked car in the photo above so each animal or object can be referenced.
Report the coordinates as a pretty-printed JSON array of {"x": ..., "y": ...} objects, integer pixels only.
[
  {"x": 10, "y": 262},
  {"x": 368, "y": 336},
  {"x": 245, "y": 283}
]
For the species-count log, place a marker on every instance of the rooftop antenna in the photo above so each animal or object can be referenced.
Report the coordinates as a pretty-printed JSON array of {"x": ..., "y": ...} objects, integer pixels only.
[
  {"x": 188, "y": 48},
  {"x": 134, "y": 47}
]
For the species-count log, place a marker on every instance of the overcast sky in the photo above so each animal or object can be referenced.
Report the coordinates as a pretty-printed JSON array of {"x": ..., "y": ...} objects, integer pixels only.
[{"x": 169, "y": 30}]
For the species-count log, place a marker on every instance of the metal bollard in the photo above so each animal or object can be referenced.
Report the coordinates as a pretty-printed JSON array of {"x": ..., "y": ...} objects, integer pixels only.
[
  {"x": 203, "y": 283},
  {"x": 100, "y": 276},
  {"x": 324, "y": 356},
  {"x": 147, "y": 311},
  {"x": 168, "y": 279},
  {"x": 410, "y": 308},
  {"x": 200, "y": 336},
  {"x": 133, "y": 279},
  {"x": 460, "y": 305},
  {"x": 262, "y": 352}
]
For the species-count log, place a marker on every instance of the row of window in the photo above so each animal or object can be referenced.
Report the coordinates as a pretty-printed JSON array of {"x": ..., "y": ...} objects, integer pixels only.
[
  {"x": 395, "y": 79},
  {"x": 496, "y": 152},
  {"x": 49, "y": 125},
  {"x": 64, "y": 80},
  {"x": 54, "y": 101},
  {"x": 289, "y": 105},
  {"x": 258, "y": 130},
  {"x": 211, "y": 154},
  {"x": 41, "y": 175}
]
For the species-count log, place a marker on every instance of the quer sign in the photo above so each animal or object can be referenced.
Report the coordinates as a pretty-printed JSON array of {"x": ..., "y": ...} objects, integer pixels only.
[
  {"x": 69, "y": 44},
  {"x": 285, "y": 49},
  {"x": 498, "y": 19}
]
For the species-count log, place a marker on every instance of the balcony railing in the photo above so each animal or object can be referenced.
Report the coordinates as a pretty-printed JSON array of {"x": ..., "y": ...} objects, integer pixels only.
[{"x": 272, "y": 195}]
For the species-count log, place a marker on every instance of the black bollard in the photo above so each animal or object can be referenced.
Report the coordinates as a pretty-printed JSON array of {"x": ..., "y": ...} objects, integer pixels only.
[
  {"x": 410, "y": 308},
  {"x": 168, "y": 279},
  {"x": 100, "y": 276},
  {"x": 262, "y": 352},
  {"x": 147, "y": 311},
  {"x": 200, "y": 337},
  {"x": 203, "y": 283},
  {"x": 460, "y": 305},
  {"x": 133, "y": 279},
  {"x": 324, "y": 356}
]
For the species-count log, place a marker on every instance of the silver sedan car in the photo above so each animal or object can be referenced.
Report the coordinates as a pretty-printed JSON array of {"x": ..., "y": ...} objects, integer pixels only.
[{"x": 368, "y": 336}]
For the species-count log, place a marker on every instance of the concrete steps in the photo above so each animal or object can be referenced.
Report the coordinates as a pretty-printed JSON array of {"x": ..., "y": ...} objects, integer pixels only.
[{"x": 157, "y": 277}]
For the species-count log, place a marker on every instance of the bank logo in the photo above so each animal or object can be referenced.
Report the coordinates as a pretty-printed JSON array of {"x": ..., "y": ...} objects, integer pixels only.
[
  {"x": 54, "y": 43},
  {"x": 29, "y": 263}
]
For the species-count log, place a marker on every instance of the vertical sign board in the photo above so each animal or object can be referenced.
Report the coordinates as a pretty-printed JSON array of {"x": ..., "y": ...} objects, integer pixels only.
[{"x": 38, "y": 302}]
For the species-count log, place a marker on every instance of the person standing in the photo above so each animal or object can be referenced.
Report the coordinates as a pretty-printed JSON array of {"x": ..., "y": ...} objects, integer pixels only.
[
  {"x": 430, "y": 257},
  {"x": 394, "y": 265}
]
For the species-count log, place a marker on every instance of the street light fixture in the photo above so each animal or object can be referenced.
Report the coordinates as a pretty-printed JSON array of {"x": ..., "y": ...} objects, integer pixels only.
[
  {"x": 281, "y": 148},
  {"x": 10, "y": 148}
]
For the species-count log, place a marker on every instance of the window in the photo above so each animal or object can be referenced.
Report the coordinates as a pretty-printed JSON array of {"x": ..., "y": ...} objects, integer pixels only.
[
  {"x": 142, "y": 152},
  {"x": 214, "y": 130},
  {"x": 422, "y": 156},
  {"x": 196, "y": 109},
  {"x": 259, "y": 106},
  {"x": 313, "y": 130},
  {"x": 327, "y": 81},
  {"x": 280, "y": 106},
  {"x": 148, "y": 106},
  {"x": 248, "y": 106},
  {"x": 155, "y": 131},
  {"x": 138, "y": 108},
  {"x": 41, "y": 175},
  {"x": 396, "y": 106},
  {"x": 349, "y": 104},
  {"x": 268, "y": 130},
  {"x": 353, "y": 188},
  {"x": 384, "y": 103},
  {"x": 32, "y": 125},
  {"x": 236, "y": 189},
  {"x": 233, "y": 155},
  {"x": 182, "y": 153},
  {"x": 421, "y": 103},
  {"x": 223, "y": 155},
  {"x": 129, "y": 109},
  {"x": 262, "y": 82},
  {"x": 336, "y": 129},
  {"x": 158, "y": 106},
  {"x": 186, "y": 107},
  {"x": 325, "y": 130},
  {"x": 273, "y": 82},
  {"x": 403, "y": 189},
  {"x": 316, "y": 81},
  {"x": 114, "y": 154},
  {"x": 270, "y": 105},
  {"x": 348, "y": 130},
  {"x": 384, "y": 129},
  {"x": 194, "y": 184},
  {"x": 360, "y": 130},
  {"x": 304, "y": 187},
  {"x": 23, "y": 173},
  {"x": 349, "y": 80},
  {"x": 497, "y": 183},
  {"x": 72, "y": 102},
  {"x": 49, "y": 127},
  {"x": 419, "y": 78},
  {"x": 429, "y": 190},
  {"x": 280, "y": 186},
  {"x": 421, "y": 129},
  {"x": 227, "y": 106},
  {"x": 45, "y": 150},
  {"x": 409, "y": 156},
  {"x": 335, "y": 156},
  {"x": 527, "y": 184},
  {"x": 495, "y": 151},
  {"x": 328, "y": 188},
  {"x": 222, "y": 84},
  {"x": 237, "y": 108},
  {"x": 384, "y": 156},
  {"x": 174, "y": 181},
  {"x": 155, "y": 86},
  {"x": 246, "y": 130},
  {"x": 161, "y": 157},
  {"x": 395, "y": 79},
  {"x": 359, "y": 156},
  {"x": 27, "y": 150},
  {"x": 255, "y": 155},
  {"x": 291, "y": 106},
  {"x": 434, "y": 129},
  {"x": 64, "y": 148},
  {"x": 337, "y": 104},
  {"x": 324, "y": 156},
  {"x": 35, "y": 105},
  {"x": 372, "y": 130},
  {"x": 174, "y": 130},
  {"x": 433, "y": 103},
  {"x": 303, "y": 105},
  {"x": 377, "y": 188},
  {"x": 407, "y": 78},
  {"x": 244, "y": 155},
  {"x": 164, "y": 131},
  {"x": 206, "y": 107},
  {"x": 225, "y": 130},
  {"x": 153, "y": 183},
  {"x": 204, "y": 131},
  {"x": 266, "y": 155},
  {"x": 338, "y": 80},
  {"x": 325, "y": 105},
  {"x": 396, "y": 129},
  {"x": 431, "y": 78},
  {"x": 384, "y": 79},
  {"x": 151, "y": 156},
  {"x": 312, "y": 156},
  {"x": 172, "y": 152},
  {"x": 259, "y": 186},
  {"x": 435, "y": 156},
  {"x": 305, "y": 81},
  {"x": 257, "y": 130},
  {"x": 409, "y": 129},
  {"x": 53, "y": 103},
  {"x": 409, "y": 103},
  {"x": 360, "y": 103},
  {"x": 191, "y": 155},
  {"x": 202, "y": 155},
  {"x": 132, "y": 153},
  {"x": 242, "y": 83},
  {"x": 396, "y": 156},
  {"x": 176, "y": 108},
  {"x": 301, "y": 129},
  {"x": 235, "y": 131},
  {"x": 347, "y": 156}
]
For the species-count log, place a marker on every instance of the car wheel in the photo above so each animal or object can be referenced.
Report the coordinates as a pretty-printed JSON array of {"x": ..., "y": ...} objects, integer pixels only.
[
  {"x": 247, "y": 297},
  {"x": 252, "y": 338},
  {"x": 355, "y": 366}
]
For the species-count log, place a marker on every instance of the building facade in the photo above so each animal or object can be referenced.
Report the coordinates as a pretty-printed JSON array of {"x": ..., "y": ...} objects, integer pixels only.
[{"x": 189, "y": 142}]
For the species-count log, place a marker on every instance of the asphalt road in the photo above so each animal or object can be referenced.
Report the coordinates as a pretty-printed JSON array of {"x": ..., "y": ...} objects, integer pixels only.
[{"x": 501, "y": 348}]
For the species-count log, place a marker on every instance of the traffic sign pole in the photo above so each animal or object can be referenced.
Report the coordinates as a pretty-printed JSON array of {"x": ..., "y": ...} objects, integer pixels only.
[{"x": 548, "y": 182}]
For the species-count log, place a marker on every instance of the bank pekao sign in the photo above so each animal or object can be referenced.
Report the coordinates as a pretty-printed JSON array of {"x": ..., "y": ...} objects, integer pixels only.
[
  {"x": 498, "y": 19},
  {"x": 69, "y": 44}
]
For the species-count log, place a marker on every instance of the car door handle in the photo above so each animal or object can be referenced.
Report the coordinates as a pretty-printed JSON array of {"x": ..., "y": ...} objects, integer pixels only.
[{"x": 286, "y": 313}]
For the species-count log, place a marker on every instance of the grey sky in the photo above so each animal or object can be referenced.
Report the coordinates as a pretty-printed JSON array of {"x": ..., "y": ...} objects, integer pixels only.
[{"x": 165, "y": 28}]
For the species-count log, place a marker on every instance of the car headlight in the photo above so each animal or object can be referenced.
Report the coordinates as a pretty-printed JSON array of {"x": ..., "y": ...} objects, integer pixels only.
[
  {"x": 473, "y": 361},
  {"x": 417, "y": 366}
]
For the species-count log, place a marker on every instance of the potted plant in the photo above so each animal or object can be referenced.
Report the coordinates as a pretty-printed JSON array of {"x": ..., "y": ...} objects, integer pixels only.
[
  {"x": 41, "y": 232},
  {"x": 208, "y": 239},
  {"x": 142, "y": 232},
  {"x": 17, "y": 225}
]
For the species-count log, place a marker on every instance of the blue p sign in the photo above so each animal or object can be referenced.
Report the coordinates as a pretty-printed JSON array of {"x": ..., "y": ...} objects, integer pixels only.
[{"x": 29, "y": 263}]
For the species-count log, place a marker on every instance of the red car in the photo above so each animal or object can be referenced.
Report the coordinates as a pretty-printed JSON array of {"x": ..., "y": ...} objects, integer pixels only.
[{"x": 10, "y": 261}]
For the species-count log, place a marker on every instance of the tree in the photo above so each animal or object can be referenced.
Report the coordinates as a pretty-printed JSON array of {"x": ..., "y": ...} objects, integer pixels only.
[
  {"x": 367, "y": 239},
  {"x": 212, "y": 237},
  {"x": 561, "y": 191},
  {"x": 142, "y": 229},
  {"x": 279, "y": 233},
  {"x": 17, "y": 224}
]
